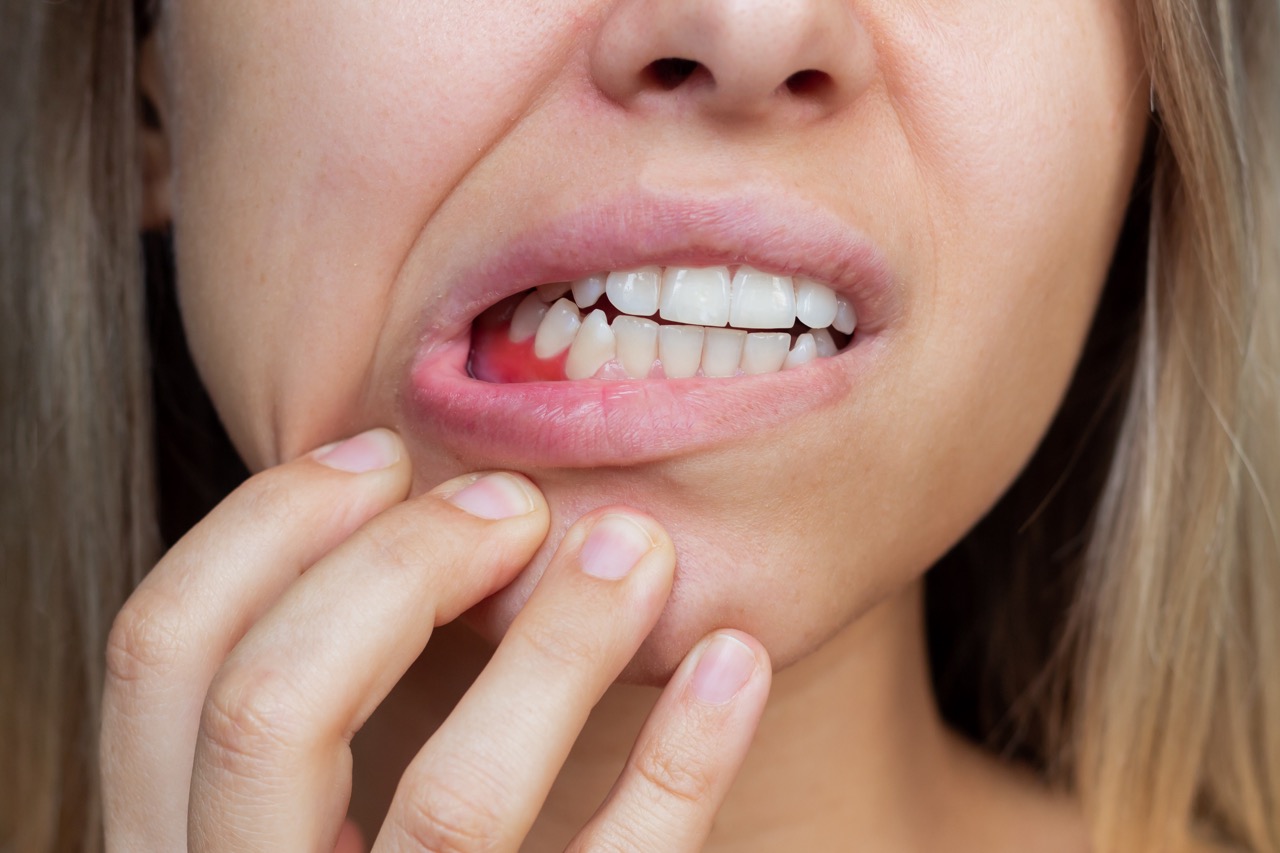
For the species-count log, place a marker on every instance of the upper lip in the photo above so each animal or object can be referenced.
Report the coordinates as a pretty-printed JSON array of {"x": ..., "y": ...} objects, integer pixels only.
[{"x": 774, "y": 232}]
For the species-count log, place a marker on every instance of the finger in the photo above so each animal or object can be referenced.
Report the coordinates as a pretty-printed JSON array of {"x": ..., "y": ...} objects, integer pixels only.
[
  {"x": 481, "y": 779},
  {"x": 350, "y": 839},
  {"x": 688, "y": 753},
  {"x": 191, "y": 609},
  {"x": 273, "y": 764}
]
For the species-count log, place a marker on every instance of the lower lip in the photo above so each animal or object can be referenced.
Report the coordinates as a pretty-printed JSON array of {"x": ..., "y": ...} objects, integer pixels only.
[{"x": 611, "y": 423}]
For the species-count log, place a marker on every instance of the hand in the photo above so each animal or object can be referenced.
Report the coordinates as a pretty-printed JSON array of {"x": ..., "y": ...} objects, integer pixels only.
[{"x": 247, "y": 659}]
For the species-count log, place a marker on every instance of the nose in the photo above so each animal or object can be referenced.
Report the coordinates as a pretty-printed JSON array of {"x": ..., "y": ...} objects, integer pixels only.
[{"x": 734, "y": 59}]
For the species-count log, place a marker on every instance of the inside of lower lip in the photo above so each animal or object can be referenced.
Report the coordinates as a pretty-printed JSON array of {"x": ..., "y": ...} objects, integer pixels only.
[{"x": 506, "y": 349}]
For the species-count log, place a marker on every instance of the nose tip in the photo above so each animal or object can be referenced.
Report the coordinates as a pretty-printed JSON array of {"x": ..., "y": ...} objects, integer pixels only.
[{"x": 734, "y": 59}]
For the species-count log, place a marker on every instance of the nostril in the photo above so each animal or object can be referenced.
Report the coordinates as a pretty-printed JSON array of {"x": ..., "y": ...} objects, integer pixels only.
[
  {"x": 670, "y": 73},
  {"x": 809, "y": 82}
]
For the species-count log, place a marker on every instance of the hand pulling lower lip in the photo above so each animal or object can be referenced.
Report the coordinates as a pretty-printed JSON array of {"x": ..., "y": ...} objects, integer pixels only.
[{"x": 772, "y": 232}]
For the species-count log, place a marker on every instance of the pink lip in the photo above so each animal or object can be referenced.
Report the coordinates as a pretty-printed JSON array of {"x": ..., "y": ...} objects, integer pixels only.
[{"x": 582, "y": 424}]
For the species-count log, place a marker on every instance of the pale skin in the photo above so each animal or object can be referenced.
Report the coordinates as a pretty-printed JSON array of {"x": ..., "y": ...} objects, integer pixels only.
[{"x": 328, "y": 165}]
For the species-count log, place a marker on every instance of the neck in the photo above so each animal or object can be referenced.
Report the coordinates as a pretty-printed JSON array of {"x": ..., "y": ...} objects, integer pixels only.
[{"x": 850, "y": 754}]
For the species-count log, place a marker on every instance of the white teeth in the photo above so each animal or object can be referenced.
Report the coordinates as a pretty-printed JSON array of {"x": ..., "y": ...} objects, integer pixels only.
[
  {"x": 587, "y": 291},
  {"x": 762, "y": 301},
  {"x": 701, "y": 302},
  {"x": 592, "y": 348},
  {"x": 557, "y": 330},
  {"x": 722, "y": 352},
  {"x": 815, "y": 303},
  {"x": 527, "y": 318},
  {"x": 680, "y": 349},
  {"x": 637, "y": 342},
  {"x": 635, "y": 291},
  {"x": 699, "y": 297},
  {"x": 765, "y": 352},
  {"x": 846, "y": 321},
  {"x": 803, "y": 352},
  {"x": 551, "y": 292},
  {"x": 826, "y": 345}
]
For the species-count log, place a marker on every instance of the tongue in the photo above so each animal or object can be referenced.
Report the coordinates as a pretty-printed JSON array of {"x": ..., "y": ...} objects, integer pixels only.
[{"x": 495, "y": 358}]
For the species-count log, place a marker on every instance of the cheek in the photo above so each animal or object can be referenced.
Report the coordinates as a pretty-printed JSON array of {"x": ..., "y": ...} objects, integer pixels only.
[
  {"x": 315, "y": 140},
  {"x": 1024, "y": 133}
]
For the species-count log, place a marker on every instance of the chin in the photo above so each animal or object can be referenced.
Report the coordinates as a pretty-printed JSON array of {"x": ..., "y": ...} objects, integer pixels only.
[{"x": 792, "y": 613}]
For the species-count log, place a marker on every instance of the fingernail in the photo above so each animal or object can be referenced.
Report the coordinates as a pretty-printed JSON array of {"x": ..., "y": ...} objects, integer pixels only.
[
  {"x": 725, "y": 666},
  {"x": 369, "y": 451},
  {"x": 614, "y": 546},
  {"x": 494, "y": 497}
]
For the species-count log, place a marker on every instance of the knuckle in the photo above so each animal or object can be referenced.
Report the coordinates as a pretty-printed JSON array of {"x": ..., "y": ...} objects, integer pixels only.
[
  {"x": 251, "y": 720},
  {"x": 268, "y": 496},
  {"x": 395, "y": 541},
  {"x": 611, "y": 839},
  {"x": 441, "y": 818},
  {"x": 146, "y": 640},
  {"x": 674, "y": 772},
  {"x": 562, "y": 641}
]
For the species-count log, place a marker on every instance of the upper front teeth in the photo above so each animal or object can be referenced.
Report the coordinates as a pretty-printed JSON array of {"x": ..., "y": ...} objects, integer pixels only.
[
  {"x": 762, "y": 301},
  {"x": 697, "y": 297},
  {"x": 635, "y": 291},
  {"x": 709, "y": 296}
]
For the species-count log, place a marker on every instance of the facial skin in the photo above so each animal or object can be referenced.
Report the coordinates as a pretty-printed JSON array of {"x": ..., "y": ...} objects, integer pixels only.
[{"x": 334, "y": 162}]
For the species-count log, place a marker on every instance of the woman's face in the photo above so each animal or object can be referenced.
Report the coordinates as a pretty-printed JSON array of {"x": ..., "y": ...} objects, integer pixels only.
[{"x": 354, "y": 182}]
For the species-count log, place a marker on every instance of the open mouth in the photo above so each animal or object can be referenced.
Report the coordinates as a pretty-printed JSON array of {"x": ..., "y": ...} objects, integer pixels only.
[{"x": 661, "y": 323}]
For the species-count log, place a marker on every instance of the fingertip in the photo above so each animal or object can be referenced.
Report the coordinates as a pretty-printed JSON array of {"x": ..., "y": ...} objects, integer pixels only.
[
  {"x": 373, "y": 450},
  {"x": 725, "y": 665},
  {"x": 493, "y": 495},
  {"x": 658, "y": 537}
]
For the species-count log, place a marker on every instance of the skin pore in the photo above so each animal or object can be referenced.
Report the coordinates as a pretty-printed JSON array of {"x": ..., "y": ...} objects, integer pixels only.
[{"x": 331, "y": 166}]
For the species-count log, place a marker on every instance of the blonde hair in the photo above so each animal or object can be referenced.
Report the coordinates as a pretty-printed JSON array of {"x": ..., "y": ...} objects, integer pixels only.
[{"x": 1154, "y": 689}]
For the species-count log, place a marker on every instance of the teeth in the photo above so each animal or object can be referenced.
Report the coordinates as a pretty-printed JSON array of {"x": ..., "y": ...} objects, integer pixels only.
[
  {"x": 762, "y": 301},
  {"x": 700, "y": 303},
  {"x": 528, "y": 316},
  {"x": 722, "y": 352},
  {"x": 551, "y": 292},
  {"x": 846, "y": 321},
  {"x": 765, "y": 352},
  {"x": 592, "y": 348},
  {"x": 803, "y": 352},
  {"x": 635, "y": 291},
  {"x": 698, "y": 297},
  {"x": 816, "y": 304},
  {"x": 637, "y": 341},
  {"x": 557, "y": 330},
  {"x": 680, "y": 349},
  {"x": 587, "y": 291},
  {"x": 825, "y": 344}
]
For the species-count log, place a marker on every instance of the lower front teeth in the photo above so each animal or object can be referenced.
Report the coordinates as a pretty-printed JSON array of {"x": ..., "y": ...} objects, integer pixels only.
[
  {"x": 803, "y": 352},
  {"x": 559, "y": 328},
  {"x": 637, "y": 341},
  {"x": 722, "y": 352},
  {"x": 680, "y": 349},
  {"x": 592, "y": 349},
  {"x": 765, "y": 352}
]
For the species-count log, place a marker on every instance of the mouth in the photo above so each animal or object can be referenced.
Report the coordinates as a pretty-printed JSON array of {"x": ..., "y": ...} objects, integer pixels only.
[
  {"x": 653, "y": 323},
  {"x": 636, "y": 331}
]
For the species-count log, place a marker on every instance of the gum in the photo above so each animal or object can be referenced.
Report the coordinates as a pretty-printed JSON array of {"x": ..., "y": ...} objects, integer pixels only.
[{"x": 495, "y": 358}]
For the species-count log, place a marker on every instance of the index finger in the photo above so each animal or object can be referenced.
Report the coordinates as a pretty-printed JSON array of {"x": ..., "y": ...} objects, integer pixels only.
[{"x": 200, "y": 599}]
